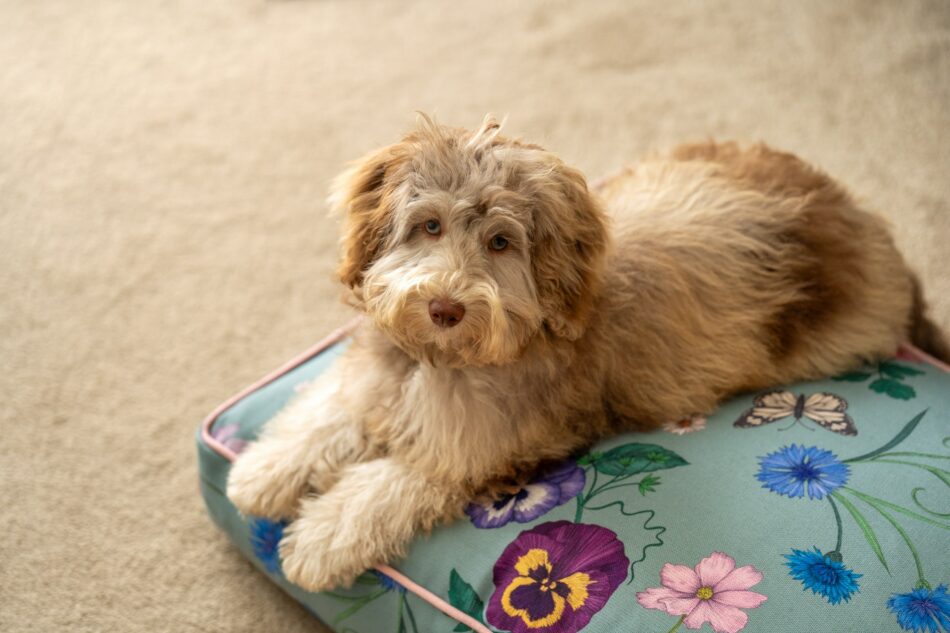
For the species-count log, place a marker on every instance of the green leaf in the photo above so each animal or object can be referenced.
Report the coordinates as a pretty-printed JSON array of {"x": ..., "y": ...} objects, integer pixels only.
[
  {"x": 902, "y": 435},
  {"x": 634, "y": 458},
  {"x": 367, "y": 579},
  {"x": 648, "y": 484},
  {"x": 356, "y": 606},
  {"x": 464, "y": 598},
  {"x": 856, "y": 376},
  {"x": 865, "y": 528},
  {"x": 897, "y": 371},
  {"x": 412, "y": 617},
  {"x": 878, "y": 503},
  {"x": 892, "y": 388},
  {"x": 588, "y": 459},
  {"x": 402, "y": 622}
]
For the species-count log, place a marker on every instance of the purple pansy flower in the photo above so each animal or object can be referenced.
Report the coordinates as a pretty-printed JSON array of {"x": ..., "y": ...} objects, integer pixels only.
[
  {"x": 555, "y": 577},
  {"x": 551, "y": 490},
  {"x": 227, "y": 435}
]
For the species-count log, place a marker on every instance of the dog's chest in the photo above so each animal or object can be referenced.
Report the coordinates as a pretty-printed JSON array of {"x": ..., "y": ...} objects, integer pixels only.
[{"x": 442, "y": 412}]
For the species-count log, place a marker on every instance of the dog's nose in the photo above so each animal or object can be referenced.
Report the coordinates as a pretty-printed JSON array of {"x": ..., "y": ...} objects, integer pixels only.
[{"x": 445, "y": 313}]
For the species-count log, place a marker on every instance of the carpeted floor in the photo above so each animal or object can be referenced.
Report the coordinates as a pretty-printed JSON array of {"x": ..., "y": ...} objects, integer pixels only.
[{"x": 163, "y": 239}]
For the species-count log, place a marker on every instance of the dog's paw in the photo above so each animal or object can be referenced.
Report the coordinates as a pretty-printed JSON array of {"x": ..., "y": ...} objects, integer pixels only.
[
  {"x": 313, "y": 559},
  {"x": 258, "y": 486}
]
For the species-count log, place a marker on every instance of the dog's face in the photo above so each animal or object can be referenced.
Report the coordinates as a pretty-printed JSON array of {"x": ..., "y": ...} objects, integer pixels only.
[{"x": 463, "y": 245}]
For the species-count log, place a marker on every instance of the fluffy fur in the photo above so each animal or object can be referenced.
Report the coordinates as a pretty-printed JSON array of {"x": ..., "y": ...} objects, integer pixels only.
[{"x": 692, "y": 276}]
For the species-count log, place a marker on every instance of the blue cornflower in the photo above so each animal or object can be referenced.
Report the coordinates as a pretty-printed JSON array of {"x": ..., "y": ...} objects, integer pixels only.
[
  {"x": 823, "y": 574},
  {"x": 387, "y": 582},
  {"x": 923, "y": 609},
  {"x": 265, "y": 538},
  {"x": 793, "y": 469}
]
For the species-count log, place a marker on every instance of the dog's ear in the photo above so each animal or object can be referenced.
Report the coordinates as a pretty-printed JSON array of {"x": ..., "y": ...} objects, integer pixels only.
[
  {"x": 359, "y": 195},
  {"x": 569, "y": 247}
]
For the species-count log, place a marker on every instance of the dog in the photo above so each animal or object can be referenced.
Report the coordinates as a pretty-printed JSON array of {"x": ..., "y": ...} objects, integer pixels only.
[{"x": 513, "y": 316}]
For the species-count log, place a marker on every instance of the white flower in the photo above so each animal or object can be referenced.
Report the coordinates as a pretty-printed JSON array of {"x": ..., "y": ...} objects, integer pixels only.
[{"x": 686, "y": 425}]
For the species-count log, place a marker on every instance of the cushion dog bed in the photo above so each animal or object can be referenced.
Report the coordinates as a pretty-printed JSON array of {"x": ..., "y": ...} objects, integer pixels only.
[{"x": 820, "y": 506}]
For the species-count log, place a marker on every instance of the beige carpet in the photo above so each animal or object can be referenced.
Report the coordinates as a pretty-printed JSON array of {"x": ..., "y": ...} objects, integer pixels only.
[{"x": 163, "y": 241}]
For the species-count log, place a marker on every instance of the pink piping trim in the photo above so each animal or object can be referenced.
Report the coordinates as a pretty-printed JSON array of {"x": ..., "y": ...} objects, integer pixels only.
[
  {"x": 433, "y": 599},
  {"x": 230, "y": 455},
  {"x": 924, "y": 357},
  {"x": 209, "y": 421}
]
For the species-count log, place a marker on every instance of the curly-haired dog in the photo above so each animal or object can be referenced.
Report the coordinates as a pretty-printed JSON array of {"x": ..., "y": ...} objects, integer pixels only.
[{"x": 514, "y": 317}]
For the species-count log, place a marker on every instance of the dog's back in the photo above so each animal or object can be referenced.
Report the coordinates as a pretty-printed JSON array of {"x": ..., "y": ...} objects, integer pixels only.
[
  {"x": 781, "y": 173},
  {"x": 743, "y": 268}
]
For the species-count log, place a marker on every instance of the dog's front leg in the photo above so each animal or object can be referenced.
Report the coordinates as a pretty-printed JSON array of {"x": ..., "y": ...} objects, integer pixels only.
[
  {"x": 367, "y": 518},
  {"x": 302, "y": 449}
]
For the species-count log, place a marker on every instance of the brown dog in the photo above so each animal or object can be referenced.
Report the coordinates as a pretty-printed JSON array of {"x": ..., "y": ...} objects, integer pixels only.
[{"x": 514, "y": 317}]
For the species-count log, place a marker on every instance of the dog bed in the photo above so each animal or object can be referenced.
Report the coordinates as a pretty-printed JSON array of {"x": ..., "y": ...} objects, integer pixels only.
[{"x": 821, "y": 506}]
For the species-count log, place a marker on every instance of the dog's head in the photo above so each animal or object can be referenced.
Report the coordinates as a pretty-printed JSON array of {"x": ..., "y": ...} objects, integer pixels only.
[{"x": 463, "y": 245}]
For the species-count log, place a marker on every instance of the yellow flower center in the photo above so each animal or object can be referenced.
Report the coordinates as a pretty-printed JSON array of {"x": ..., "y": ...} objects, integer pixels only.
[
  {"x": 535, "y": 569},
  {"x": 704, "y": 593}
]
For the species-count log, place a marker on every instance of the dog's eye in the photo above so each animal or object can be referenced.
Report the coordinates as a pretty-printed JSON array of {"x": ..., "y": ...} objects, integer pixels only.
[
  {"x": 498, "y": 243},
  {"x": 433, "y": 227}
]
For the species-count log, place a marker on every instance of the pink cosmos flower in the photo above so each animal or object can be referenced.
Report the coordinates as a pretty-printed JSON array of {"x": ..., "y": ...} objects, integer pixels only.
[
  {"x": 686, "y": 425},
  {"x": 715, "y": 592}
]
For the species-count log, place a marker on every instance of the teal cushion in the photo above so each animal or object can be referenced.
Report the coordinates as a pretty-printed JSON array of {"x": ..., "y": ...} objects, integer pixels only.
[{"x": 823, "y": 506}]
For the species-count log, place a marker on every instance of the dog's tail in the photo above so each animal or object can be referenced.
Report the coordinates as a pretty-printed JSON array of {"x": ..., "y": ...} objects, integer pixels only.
[{"x": 924, "y": 333}]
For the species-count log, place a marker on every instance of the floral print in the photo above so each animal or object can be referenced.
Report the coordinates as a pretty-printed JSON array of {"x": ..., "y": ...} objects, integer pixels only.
[
  {"x": 553, "y": 489},
  {"x": 558, "y": 576},
  {"x": 686, "y": 425},
  {"x": 227, "y": 435},
  {"x": 715, "y": 591},
  {"x": 923, "y": 609},
  {"x": 824, "y": 574},
  {"x": 555, "y": 577},
  {"x": 386, "y": 582},
  {"x": 827, "y": 410},
  {"x": 265, "y": 538},
  {"x": 795, "y": 470},
  {"x": 890, "y": 377}
]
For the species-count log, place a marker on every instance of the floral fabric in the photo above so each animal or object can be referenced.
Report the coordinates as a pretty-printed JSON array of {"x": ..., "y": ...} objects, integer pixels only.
[{"x": 823, "y": 506}]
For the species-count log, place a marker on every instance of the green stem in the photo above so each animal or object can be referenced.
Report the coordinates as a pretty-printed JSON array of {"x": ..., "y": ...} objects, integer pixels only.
[
  {"x": 356, "y": 607},
  {"x": 606, "y": 486},
  {"x": 412, "y": 618},
  {"x": 913, "y": 495},
  {"x": 582, "y": 498},
  {"x": 902, "y": 435},
  {"x": 337, "y": 596},
  {"x": 939, "y": 473},
  {"x": 400, "y": 605},
  {"x": 914, "y": 454},
  {"x": 834, "y": 507},
  {"x": 677, "y": 625},
  {"x": 616, "y": 486},
  {"x": 891, "y": 506},
  {"x": 881, "y": 459},
  {"x": 593, "y": 484},
  {"x": 900, "y": 530},
  {"x": 864, "y": 526}
]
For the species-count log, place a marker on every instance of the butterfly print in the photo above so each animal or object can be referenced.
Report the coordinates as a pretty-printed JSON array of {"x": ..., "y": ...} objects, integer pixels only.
[{"x": 824, "y": 409}]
